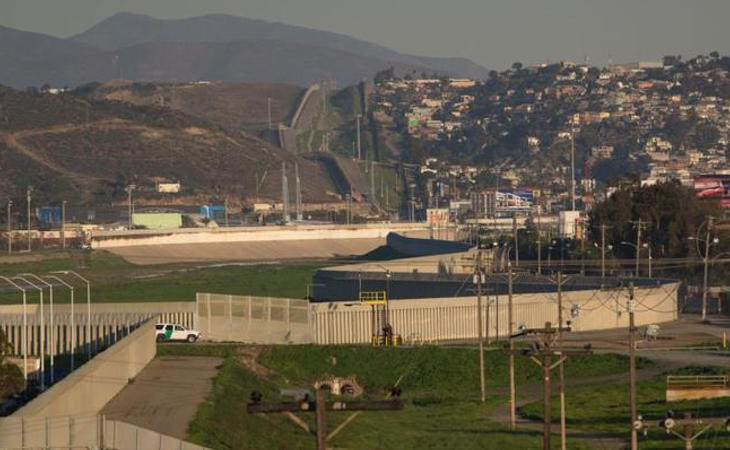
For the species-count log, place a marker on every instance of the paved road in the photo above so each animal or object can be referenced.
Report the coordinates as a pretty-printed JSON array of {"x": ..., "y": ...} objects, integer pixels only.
[{"x": 165, "y": 395}]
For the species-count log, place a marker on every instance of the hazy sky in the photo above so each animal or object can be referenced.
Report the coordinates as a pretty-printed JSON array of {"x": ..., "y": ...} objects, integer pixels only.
[{"x": 494, "y": 33}]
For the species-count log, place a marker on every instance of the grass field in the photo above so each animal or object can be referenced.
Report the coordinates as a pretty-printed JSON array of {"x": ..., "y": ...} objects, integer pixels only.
[
  {"x": 592, "y": 408},
  {"x": 440, "y": 394},
  {"x": 115, "y": 280}
]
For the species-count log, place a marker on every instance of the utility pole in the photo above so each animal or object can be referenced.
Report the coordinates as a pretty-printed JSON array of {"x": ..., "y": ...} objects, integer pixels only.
[
  {"x": 268, "y": 104},
  {"x": 225, "y": 211},
  {"x": 561, "y": 368},
  {"x": 582, "y": 247},
  {"x": 286, "y": 218},
  {"x": 28, "y": 191},
  {"x": 512, "y": 393},
  {"x": 572, "y": 170},
  {"x": 10, "y": 228},
  {"x": 639, "y": 224},
  {"x": 63, "y": 224},
  {"x": 130, "y": 206},
  {"x": 517, "y": 244},
  {"x": 357, "y": 120},
  {"x": 320, "y": 408},
  {"x": 349, "y": 207},
  {"x": 539, "y": 248},
  {"x": 478, "y": 281},
  {"x": 603, "y": 252},
  {"x": 300, "y": 217},
  {"x": 693, "y": 428},
  {"x": 706, "y": 261},
  {"x": 632, "y": 367},
  {"x": 548, "y": 334}
]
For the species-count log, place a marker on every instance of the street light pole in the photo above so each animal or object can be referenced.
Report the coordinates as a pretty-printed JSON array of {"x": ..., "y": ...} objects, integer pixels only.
[
  {"x": 50, "y": 301},
  {"x": 73, "y": 325},
  {"x": 63, "y": 224},
  {"x": 88, "y": 306},
  {"x": 706, "y": 270},
  {"x": 10, "y": 228},
  {"x": 27, "y": 197},
  {"x": 43, "y": 330},
  {"x": 359, "y": 154}
]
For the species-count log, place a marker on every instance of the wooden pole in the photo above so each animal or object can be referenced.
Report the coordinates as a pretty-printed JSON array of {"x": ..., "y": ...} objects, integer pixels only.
[
  {"x": 482, "y": 380},
  {"x": 321, "y": 419},
  {"x": 632, "y": 368},
  {"x": 512, "y": 407}
]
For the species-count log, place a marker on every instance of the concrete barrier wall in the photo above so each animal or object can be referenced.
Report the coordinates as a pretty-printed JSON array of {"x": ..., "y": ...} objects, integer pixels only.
[
  {"x": 260, "y": 320},
  {"x": 456, "y": 318},
  {"x": 91, "y": 386},
  {"x": 84, "y": 432},
  {"x": 111, "y": 239},
  {"x": 123, "y": 436}
]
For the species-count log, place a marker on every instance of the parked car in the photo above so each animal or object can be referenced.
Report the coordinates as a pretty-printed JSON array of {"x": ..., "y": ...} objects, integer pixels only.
[{"x": 175, "y": 332}]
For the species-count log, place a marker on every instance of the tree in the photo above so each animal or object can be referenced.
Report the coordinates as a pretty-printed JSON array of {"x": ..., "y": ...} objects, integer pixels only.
[
  {"x": 672, "y": 210},
  {"x": 11, "y": 377},
  {"x": 517, "y": 66}
]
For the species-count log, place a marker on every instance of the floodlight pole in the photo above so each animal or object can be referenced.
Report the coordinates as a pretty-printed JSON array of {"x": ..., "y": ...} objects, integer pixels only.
[
  {"x": 73, "y": 326},
  {"x": 43, "y": 330}
]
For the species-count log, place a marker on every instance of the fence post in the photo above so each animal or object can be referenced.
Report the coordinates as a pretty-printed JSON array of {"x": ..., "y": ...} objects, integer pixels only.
[
  {"x": 250, "y": 309},
  {"x": 210, "y": 332},
  {"x": 288, "y": 316},
  {"x": 230, "y": 316},
  {"x": 268, "y": 320},
  {"x": 196, "y": 319}
]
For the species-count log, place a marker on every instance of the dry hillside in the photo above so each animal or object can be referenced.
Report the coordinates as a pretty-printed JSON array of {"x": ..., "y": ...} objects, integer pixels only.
[
  {"x": 234, "y": 106},
  {"x": 87, "y": 151}
]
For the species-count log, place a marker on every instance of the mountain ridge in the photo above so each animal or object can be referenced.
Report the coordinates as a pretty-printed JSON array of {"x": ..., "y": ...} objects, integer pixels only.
[{"x": 134, "y": 45}]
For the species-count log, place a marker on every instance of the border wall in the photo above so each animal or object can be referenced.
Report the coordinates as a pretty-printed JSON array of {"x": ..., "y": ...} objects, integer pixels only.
[
  {"x": 444, "y": 319},
  {"x": 109, "y": 323},
  {"x": 260, "y": 320}
]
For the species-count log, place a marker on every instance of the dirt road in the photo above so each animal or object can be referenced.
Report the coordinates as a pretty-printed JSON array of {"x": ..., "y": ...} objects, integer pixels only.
[{"x": 165, "y": 395}]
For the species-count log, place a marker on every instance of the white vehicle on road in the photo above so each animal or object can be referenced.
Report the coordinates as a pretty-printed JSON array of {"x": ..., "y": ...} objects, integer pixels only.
[{"x": 174, "y": 332}]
